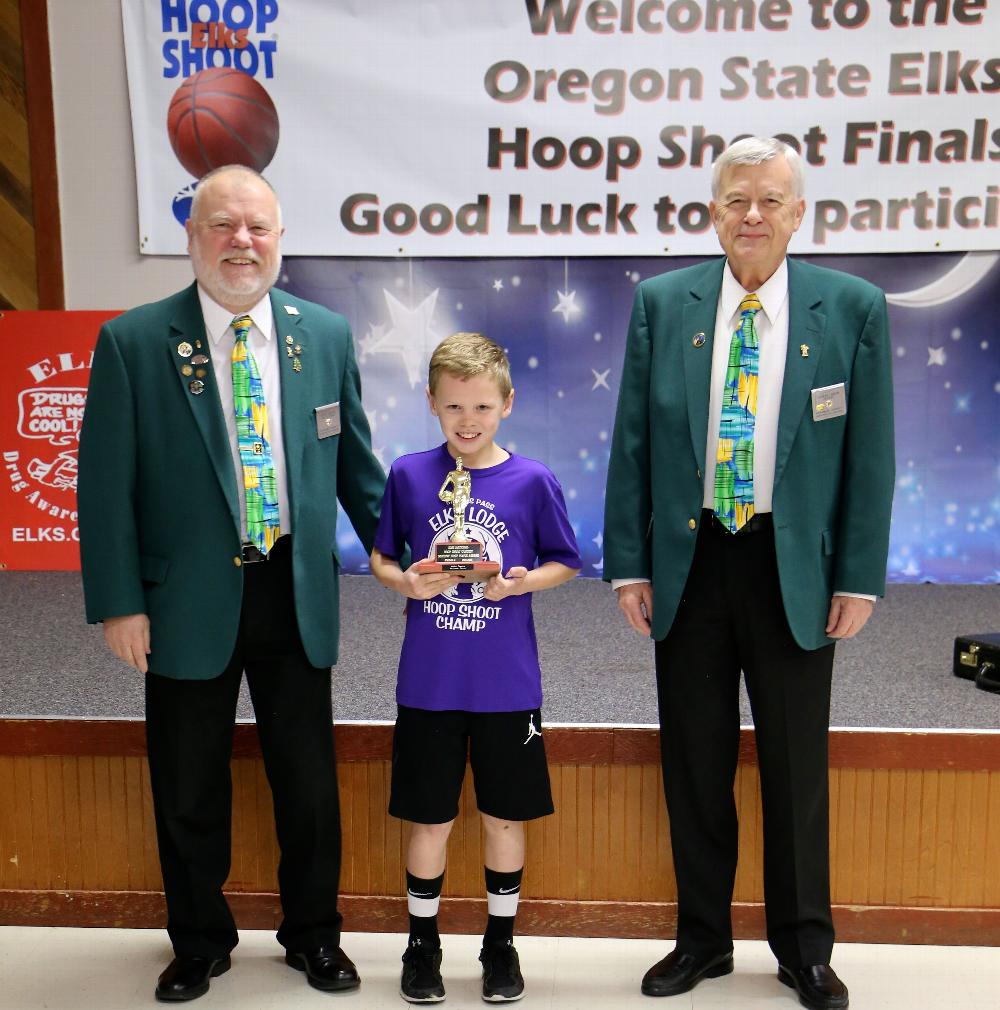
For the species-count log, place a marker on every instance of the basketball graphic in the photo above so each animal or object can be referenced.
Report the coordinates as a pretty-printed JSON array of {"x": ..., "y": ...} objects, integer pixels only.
[{"x": 219, "y": 117}]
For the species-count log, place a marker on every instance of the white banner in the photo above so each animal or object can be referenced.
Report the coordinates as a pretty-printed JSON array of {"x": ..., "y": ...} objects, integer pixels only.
[{"x": 568, "y": 127}]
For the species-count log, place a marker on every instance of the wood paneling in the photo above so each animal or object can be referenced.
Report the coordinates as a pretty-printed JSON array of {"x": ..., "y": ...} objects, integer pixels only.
[
  {"x": 30, "y": 239},
  {"x": 369, "y": 913},
  {"x": 576, "y": 745},
  {"x": 78, "y": 821},
  {"x": 18, "y": 279}
]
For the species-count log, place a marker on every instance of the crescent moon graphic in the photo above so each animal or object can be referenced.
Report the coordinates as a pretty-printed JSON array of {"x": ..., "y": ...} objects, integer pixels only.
[{"x": 962, "y": 277}]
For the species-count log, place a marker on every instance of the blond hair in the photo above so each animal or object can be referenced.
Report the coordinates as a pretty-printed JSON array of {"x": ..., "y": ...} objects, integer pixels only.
[{"x": 469, "y": 354}]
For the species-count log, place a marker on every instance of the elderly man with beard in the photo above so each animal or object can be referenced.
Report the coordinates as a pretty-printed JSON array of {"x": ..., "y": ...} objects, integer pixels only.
[{"x": 222, "y": 425}]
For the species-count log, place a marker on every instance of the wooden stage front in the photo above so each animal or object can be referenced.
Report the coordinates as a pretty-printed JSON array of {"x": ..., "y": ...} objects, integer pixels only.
[{"x": 915, "y": 835}]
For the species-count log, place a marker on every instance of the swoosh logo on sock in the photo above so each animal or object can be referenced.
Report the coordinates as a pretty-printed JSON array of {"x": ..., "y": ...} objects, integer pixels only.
[
  {"x": 509, "y": 890},
  {"x": 415, "y": 894}
]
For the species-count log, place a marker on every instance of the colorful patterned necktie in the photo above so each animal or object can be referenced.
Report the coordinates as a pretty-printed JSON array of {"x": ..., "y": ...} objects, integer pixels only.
[
  {"x": 734, "y": 459},
  {"x": 255, "y": 448}
]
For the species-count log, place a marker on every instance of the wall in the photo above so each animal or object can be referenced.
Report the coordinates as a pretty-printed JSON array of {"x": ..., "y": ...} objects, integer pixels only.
[{"x": 101, "y": 263}]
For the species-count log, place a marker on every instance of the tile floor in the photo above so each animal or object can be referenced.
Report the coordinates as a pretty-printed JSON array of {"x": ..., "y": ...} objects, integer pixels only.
[{"x": 115, "y": 969}]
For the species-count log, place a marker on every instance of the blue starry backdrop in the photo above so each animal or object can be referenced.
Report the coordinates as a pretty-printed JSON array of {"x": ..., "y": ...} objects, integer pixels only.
[{"x": 563, "y": 323}]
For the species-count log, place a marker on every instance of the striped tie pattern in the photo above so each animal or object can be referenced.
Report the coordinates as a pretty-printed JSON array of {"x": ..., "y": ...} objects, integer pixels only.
[
  {"x": 734, "y": 459},
  {"x": 263, "y": 524}
]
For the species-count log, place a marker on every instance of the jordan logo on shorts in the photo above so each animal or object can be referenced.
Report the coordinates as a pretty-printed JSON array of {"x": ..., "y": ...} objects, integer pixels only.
[{"x": 532, "y": 730}]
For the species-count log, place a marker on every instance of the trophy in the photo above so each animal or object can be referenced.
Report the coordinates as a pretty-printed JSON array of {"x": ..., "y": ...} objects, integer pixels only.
[{"x": 459, "y": 554}]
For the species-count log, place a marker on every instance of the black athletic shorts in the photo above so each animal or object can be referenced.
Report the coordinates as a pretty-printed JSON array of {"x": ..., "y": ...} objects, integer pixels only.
[{"x": 505, "y": 749}]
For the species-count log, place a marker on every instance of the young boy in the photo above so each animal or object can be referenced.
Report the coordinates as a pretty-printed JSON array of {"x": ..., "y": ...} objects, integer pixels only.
[{"x": 468, "y": 673}]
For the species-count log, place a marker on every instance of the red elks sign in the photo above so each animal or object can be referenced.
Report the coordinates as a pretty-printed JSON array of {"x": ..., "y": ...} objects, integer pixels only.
[{"x": 43, "y": 392}]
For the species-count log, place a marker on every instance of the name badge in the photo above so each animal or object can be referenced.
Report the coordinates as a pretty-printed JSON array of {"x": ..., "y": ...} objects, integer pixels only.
[
  {"x": 328, "y": 420},
  {"x": 829, "y": 401}
]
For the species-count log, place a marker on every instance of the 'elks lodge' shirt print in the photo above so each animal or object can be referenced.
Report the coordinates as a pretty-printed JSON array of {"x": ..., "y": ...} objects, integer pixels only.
[{"x": 462, "y": 651}]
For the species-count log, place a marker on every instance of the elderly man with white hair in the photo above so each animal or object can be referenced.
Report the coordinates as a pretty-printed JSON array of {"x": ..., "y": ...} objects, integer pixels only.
[
  {"x": 746, "y": 529},
  {"x": 223, "y": 424}
]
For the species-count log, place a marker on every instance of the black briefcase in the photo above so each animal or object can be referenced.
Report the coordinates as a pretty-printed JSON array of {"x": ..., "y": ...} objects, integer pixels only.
[{"x": 977, "y": 657}]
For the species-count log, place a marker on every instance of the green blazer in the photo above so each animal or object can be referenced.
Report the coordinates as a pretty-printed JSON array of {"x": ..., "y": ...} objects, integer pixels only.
[
  {"x": 833, "y": 479},
  {"x": 158, "y": 506}
]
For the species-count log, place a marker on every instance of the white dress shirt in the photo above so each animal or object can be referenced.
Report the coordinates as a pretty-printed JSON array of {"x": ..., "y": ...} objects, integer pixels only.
[{"x": 263, "y": 346}]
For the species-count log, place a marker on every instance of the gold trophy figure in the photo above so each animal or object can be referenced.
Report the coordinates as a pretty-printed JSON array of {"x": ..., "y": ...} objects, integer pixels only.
[
  {"x": 458, "y": 554},
  {"x": 458, "y": 497}
]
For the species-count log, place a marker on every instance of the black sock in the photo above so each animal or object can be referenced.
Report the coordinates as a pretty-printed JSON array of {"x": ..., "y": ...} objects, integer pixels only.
[
  {"x": 502, "y": 892},
  {"x": 422, "y": 899}
]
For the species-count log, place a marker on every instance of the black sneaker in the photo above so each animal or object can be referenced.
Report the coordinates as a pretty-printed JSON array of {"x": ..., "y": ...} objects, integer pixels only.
[
  {"x": 421, "y": 979},
  {"x": 502, "y": 980}
]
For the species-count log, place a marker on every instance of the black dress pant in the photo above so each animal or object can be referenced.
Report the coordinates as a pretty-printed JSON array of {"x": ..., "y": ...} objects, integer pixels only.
[
  {"x": 731, "y": 617},
  {"x": 189, "y": 732}
]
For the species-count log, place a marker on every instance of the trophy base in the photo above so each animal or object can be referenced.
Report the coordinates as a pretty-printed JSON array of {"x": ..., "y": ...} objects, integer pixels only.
[{"x": 469, "y": 571}]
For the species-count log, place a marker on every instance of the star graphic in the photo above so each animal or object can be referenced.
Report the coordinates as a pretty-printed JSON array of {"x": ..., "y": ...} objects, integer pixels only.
[
  {"x": 498, "y": 285},
  {"x": 600, "y": 379},
  {"x": 567, "y": 305},
  {"x": 372, "y": 416},
  {"x": 912, "y": 568},
  {"x": 598, "y": 566},
  {"x": 409, "y": 334},
  {"x": 379, "y": 454},
  {"x": 371, "y": 340},
  {"x": 936, "y": 356},
  {"x": 599, "y": 540}
]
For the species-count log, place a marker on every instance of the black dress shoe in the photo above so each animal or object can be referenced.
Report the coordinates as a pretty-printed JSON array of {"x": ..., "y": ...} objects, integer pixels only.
[
  {"x": 326, "y": 968},
  {"x": 188, "y": 977},
  {"x": 818, "y": 986},
  {"x": 678, "y": 973}
]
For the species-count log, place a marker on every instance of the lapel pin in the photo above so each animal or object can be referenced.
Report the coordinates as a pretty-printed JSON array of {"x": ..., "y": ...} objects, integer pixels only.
[
  {"x": 698, "y": 340},
  {"x": 196, "y": 386},
  {"x": 197, "y": 344},
  {"x": 289, "y": 340},
  {"x": 200, "y": 373},
  {"x": 293, "y": 352},
  {"x": 804, "y": 350},
  {"x": 186, "y": 370},
  {"x": 291, "y": 310},
  {"x": 184, "y": 349},
  {"x": 200, "y": 359}
]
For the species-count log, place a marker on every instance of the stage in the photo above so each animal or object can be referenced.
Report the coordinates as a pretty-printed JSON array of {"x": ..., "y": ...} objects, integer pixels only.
[
  {"x": 914, "y": 756},
  {"x": 596, "y": 670}
]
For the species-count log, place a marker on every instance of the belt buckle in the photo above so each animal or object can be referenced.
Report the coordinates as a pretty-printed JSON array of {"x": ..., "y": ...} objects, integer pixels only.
[{"x": 252, "y": 554}]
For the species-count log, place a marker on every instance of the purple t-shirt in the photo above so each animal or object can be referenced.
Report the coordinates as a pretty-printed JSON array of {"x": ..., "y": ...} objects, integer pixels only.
[{"x": 462, "y": 651}]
